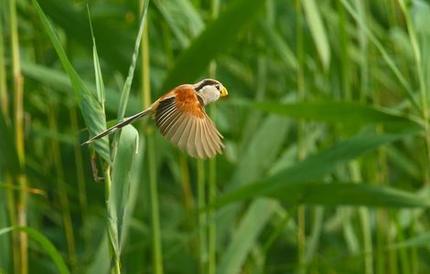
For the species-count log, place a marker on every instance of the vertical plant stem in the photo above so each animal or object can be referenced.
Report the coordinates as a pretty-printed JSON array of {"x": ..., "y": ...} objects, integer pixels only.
[
  {"x": 403, "y": 252},
  {"x": 186, "y": 186},
  {"x": 152, "y": 169},
  {"x": 344, "y": 44},
  {"x": 112, "y": 229},
  {"x": 212, "y": 222},
  {"x": 6, "y": 204},
  {"x": 301, "y": 236},
  {"x": 18, "y": 81},
  {"x": 422, "y": 81},
  {"x": 424, "y": 89},
  {"x": 202, "y": 217},
  {"x": 212, "y": 175},
  {"x": 10, "y": 196},
  {"x": 4, "y": 99},
  {"x": 363, "y": 212},
  {"x": 79, "y": 164},
  {"x": 62, "y": 190},
  {"x": 156, "y": 233}
]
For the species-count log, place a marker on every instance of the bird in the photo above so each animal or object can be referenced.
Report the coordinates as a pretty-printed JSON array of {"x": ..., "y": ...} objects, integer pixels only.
[{"x": 181, "y": 118}]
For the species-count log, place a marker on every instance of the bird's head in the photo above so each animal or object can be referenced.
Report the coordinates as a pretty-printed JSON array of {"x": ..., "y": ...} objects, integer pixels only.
[{"x": 210, "y": 90}]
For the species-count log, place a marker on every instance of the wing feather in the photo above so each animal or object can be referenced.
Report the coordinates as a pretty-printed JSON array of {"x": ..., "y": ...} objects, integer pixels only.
[
  {"x": 182, "y": 141},
  {"x": 183, "y": 121}
]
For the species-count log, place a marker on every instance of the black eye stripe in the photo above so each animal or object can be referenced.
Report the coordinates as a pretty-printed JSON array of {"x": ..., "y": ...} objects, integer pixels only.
[{"x": 207, "y": 82}]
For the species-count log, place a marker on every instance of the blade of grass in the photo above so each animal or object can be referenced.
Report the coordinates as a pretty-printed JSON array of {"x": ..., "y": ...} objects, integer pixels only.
[
  {"x": 340, "y": 194},
  {"x": 390, "y": 62},
  {"x": 212, "y": 172},
  {"x": 4, "y": 98},
  {"x": 62, "y": 188},
  {"x": 21, "y": 179},
  {"x": 313, "y": 167},
  {"x": 113, "y": 195},
  {"x": 44, "y": 243},
  {"x": 333, "y": 112},
  {"x": 267, "y": 140},
  {"x": 202, "y": 217},
  {"x": 157, "y": 249},
  {"x": 421, "y": 15},
  {"x": 245, "y": 236},
  {"x": 318, "y": 32},
  {"x": 182, "y": 18},
  {"x": 275, "y": 40},
  {"x": 127, "y": 85},
  {"x": 121, "y": 184}
]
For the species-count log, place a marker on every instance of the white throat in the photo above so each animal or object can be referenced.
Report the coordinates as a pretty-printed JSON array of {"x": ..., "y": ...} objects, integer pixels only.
[{"x": 209, "y": 94}]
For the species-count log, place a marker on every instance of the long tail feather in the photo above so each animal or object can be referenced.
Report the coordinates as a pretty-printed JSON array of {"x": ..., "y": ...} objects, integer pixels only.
[{"x": 120, "y": 125}]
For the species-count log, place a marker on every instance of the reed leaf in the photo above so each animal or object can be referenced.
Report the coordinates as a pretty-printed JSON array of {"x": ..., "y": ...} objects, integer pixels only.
[
  {"x": 92, "y": 110},
  {"x": 313, "y": 168}
]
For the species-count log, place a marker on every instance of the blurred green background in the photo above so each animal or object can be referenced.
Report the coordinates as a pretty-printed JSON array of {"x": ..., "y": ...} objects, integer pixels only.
[{"x": 326, "y": 126}]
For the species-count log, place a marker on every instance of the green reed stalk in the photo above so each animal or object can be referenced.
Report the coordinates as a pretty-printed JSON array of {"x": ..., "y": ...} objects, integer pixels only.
[
  {"x": 424, "y": 89},
  {"x": 212, "y": 222},
  {"x": 421, "y": 78},
  {"x": 18, "y": 82},
  {"x": 4, "y": 194},
  {"x": 152, "y": 169},
  {"x": 4, "y": 99},
  {"x": 364, "y": 215},
  {"x": 116, "y": 264},
  {"x": 79, "y": 164},
  {"x": 301, "y": 236},
  {"x": 212, "y": 193},
  {"x": 62, "y": 189},
  {"x": 186, "y": 184},
  {"x": 202, "y": 217},
  {"x": 344, "y": 45}
]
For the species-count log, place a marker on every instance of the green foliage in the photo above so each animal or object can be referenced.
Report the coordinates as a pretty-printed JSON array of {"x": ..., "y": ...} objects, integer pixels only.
[
  {"x": 215, "y": 39},
  {"x": 327, "y": 160},
  {"x": 89, "y": 101},
  {"x": 44, "y": 243}
]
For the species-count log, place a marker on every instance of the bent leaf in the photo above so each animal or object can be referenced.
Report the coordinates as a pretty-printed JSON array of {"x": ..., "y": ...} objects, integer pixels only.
[
  {"x": 332, "y": 112},
  {"x": 311, "y": 169}
]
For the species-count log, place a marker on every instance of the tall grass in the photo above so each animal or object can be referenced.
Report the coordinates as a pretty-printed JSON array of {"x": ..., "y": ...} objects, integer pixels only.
[
  {"x": 21, "y": 262},
  {"x": 325, "y": 168}
]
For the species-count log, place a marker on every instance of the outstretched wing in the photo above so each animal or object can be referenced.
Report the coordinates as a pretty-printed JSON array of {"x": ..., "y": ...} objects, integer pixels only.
[{"x": 182, "y": 119}]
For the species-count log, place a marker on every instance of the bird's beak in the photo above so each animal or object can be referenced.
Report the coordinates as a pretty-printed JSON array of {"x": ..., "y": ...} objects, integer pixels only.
[{"x": 224, "y": 92}]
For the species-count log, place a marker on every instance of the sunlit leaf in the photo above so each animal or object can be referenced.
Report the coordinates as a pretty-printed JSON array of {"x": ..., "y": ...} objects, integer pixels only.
[
  {"x": 121, "y": 181},
  {"x": 317, "y": 28}
]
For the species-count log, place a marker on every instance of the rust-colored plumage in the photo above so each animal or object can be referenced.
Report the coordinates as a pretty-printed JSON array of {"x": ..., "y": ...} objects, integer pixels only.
[{"x": 180, "y": 115}]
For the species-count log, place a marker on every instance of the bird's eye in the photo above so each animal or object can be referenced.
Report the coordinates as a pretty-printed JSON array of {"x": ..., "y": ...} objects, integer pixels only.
[{"x": 217, "y": 87}]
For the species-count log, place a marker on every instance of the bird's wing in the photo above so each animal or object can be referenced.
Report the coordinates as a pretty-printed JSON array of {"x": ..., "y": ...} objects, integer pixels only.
[{"x": 182, "y": 119}]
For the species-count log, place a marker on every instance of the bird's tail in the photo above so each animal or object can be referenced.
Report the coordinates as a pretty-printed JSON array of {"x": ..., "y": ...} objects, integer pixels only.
[{"x": 120, "y": 125}]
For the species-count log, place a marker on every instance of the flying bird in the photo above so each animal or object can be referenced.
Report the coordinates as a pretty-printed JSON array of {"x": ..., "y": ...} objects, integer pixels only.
[{"x": 181, "y": 118}]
